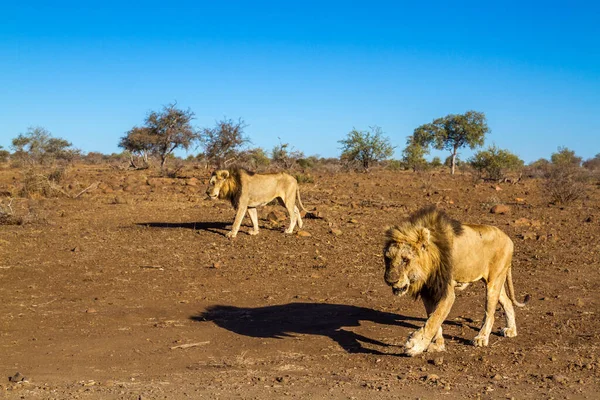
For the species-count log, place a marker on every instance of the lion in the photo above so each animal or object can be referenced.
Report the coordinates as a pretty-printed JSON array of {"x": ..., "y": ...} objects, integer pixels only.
[
  {"x": 248, "y": 190},
  {"x": 429, "y": 256}
]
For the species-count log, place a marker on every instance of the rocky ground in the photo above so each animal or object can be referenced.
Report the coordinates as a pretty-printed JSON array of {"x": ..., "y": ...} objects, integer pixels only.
[{"x": 130, "y": 290}]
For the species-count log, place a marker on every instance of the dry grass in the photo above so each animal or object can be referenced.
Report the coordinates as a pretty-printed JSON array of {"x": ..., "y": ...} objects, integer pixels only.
[{"x": 564, "y": 185}]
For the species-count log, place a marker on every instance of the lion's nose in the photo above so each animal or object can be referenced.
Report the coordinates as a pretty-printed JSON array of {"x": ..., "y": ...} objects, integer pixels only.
[{"x": 392, "y": 276}]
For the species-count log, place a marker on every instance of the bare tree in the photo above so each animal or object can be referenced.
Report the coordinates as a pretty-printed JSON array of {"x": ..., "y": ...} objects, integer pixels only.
[{"x": 223, "y": 143}]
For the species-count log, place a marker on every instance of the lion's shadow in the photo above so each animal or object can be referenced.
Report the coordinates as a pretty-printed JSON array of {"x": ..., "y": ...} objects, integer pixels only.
[
  {"x": 220, "y": 228},
  {"x": 281, "y": 321}
]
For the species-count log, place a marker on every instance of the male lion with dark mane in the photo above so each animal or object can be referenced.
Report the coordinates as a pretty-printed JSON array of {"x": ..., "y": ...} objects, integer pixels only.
[
  {"x": 247, "y": 190},
  {"x": 431, "y": 255}
]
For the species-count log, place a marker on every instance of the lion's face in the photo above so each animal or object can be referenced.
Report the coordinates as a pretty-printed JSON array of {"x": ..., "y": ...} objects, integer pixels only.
[
  {"x": 404, "y": 262},
  {"x": 217, "y": 179},
  {"x": 401, "y": 268}
]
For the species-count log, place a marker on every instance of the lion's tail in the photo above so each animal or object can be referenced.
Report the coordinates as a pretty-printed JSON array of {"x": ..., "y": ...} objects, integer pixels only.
[
  {"x": 511, "y": 290},
  {"x": 300, "y": 200}
]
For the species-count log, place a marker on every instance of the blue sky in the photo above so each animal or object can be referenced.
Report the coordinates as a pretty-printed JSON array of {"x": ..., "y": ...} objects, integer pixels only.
[{"x": 305, "y": 73}]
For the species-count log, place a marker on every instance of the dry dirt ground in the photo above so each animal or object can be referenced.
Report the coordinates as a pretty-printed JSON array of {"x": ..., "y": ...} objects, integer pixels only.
[{"x": 132, "y": 291}]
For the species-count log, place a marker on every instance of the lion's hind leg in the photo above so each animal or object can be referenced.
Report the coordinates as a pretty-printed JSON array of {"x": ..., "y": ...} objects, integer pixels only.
[
  {"x": 494, "y": 287},
  {"x": 291, "y": 208},
  {"x": 509, "y": 311},
  {"x": 298, "y": 217}
]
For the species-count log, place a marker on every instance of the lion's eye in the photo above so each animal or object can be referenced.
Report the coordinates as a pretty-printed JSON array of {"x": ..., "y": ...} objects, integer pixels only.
[{"x": 405, "y": 260}]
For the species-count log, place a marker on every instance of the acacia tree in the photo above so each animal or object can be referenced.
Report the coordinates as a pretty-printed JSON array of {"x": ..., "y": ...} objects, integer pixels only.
[
  {"x": 37, "y": 146},
  {"x": 453, "y": 132},
  {"x": 223, "y": 143},
  {"x": 162, "y": 133},
  {"x": 139, "y": 143},
  {"x": 366, "y": 147}
]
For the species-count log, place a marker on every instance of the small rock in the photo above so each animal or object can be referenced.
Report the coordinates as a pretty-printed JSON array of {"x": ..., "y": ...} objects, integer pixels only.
[
  {"x": 580, "y": 303},
  {"x": 589, "y": 219},
  {"x": 91, "y": 311},
  {"x": 433, "y": 377},
  {"x": 438, "y": 361},
  {"x": 522, "y": 222},
  {"x": 17, "y": 377},
  {"x": 500, "y": 209},
  {"x": 497, "y": 188},
  {"x": 192, "y": 182},
  {"x": 336, "y": 231},
  {"x": 314, "y": 215},
  {"x": 276, "y": 216},
  {"x": 559, "y": 378},
  {"x": 120, "y": 200},
  {"x": 304, "y": 234},
  {"x": 216, "y": 265},
  {"x": 529, "y": 235},
  {"x": 520, "y": 200},
  {"x": 353, "y": 221}
]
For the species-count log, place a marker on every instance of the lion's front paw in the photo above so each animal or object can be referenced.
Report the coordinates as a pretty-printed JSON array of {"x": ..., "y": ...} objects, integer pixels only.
[
  {"x": 416, "y": 344},
  {"x": 253, "y": 233},
  {"x": 480, "y": 341},
  {"x": 231, "y": 235},
  {"x": 509, "y": 332}
]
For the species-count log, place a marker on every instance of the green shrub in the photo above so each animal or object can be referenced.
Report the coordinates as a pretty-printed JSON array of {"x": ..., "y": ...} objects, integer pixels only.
[{"x": 495, "y": 163}]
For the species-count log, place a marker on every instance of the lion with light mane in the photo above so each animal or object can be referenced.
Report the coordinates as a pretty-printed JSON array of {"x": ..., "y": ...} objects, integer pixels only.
[
  {"x": 429, "y": 256},
  {"x": 247, "y": 190}
]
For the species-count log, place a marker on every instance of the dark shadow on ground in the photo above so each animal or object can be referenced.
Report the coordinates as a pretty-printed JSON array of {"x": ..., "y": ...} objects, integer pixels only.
[
  {"x": 285, "y": 320},
  {"x": 220, "y": 228},
  {"x": 215, "y": 227}
]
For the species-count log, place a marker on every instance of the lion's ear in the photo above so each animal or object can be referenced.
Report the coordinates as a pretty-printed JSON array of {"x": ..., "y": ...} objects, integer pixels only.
[
  {"x": 424, "y": 238},
  {"x": 224, "y": 174}
]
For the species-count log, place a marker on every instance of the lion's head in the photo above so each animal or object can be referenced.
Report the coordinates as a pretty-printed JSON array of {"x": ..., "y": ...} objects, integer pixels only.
[
  {"x": 216, "y": 183},
  {"x": 417, "y": 254},
  {"x": 406, "y": 260}
]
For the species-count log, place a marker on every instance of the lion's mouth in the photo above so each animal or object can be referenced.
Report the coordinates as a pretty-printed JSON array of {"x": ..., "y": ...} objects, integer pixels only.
[{"x": 399, "y": 290}]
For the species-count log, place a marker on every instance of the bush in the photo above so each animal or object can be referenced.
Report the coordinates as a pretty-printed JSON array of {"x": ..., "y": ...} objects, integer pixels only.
[
  {"x": 395, "y": 165},
  {"x": 285, "y": 156},
  {"x": 565, "y": 157},
  {"x": 304, "y": 178},
  {"x": 564, "y": 185},
  {"x": 495, "y": 162},
  {"x": 4, "y": 155},
  {"x": 592, "y": 164},
  {"x": 436, "y": 162},
  {"x": 24, "y": 215}
]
